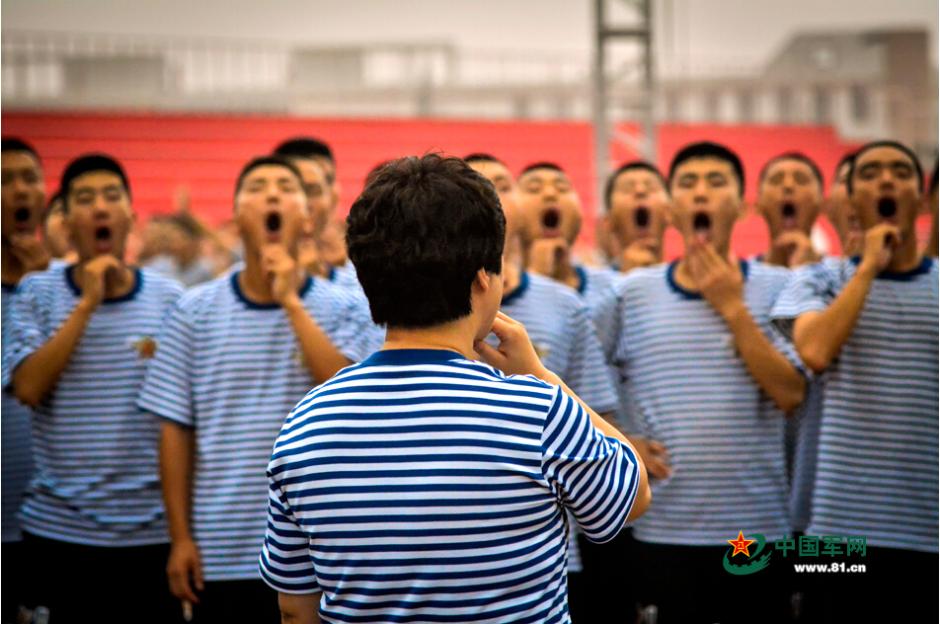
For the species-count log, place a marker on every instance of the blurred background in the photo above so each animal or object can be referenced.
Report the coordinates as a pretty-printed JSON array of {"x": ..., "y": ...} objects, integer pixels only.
[{"x": 185, "y": 92}]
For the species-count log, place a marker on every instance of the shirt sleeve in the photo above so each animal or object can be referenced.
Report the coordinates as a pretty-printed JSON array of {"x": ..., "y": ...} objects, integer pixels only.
[
  {"x": 167, "y": 388},
  {"x": 588, "y": 374},
  {"x": 285, "y": 561},
  {"x": 594, "y": 476},
  {"x": 350, "y": 325},
  {"x": 809, "y": 289},
  {"x": 26, "y": 329}
]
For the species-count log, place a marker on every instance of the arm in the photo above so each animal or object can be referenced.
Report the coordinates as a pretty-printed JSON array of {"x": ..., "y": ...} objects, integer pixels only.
[
  {"x": 775, "y": 375},
  {"x": 516, "y": 355},
  {"x": 819, "y": 336},
  {"x": 321, "y": 356},
  {"x": 299, "y": 608},
  {"x": 37, "y": 375},
  {"x": 177, "y": 444},
  {"x": 721, "y": 285}
]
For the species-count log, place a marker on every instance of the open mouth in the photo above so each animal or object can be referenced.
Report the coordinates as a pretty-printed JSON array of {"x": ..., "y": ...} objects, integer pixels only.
[
  {"x": 788, "y": 212},
  {"x": 641, "y": 217},
  {"x": 103, "y": 233},
  {"x": 887, "y": 207},
  {"x": 551, "y": 219},
  {"x": 702, "y": 225},
  {"x": 21, "y": 215},
  {"x": 273, "y": 222}
]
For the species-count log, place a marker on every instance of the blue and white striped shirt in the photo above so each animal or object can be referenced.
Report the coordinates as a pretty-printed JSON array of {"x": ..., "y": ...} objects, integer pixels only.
[
  {"x": 232, "y": 369},
  {"x": 691, "y": 391},
  {"x": 16, "y": 438},
  {"x": 96, "y": 480},
  {"x": 876, "y": 468},
  {"x": 421, "y": 486}
]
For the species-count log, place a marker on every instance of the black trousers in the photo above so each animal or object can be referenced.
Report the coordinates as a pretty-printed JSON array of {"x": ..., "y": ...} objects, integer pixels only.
[
  {"x": 689, "y": 585},
  {"x": 897, "y": 586},
  {"x": 93, "y": 584},
  {"x": 606, "y": 589},
  {"x": 14, "y": 592},
  {"x": 224, "y": 602}
]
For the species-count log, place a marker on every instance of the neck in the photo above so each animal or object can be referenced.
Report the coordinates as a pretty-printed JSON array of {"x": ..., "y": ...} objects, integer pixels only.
[
  {"x": 253, "y": 281},
  {"x": 454, "y": 336},
  {"x": 906, "y": 257},
  {"x": 512, "y": 274},
  {"x": 12, "y": 269}
]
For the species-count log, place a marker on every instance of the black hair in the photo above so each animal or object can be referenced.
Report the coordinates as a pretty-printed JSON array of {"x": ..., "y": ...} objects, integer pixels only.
[
  {"x": 87, "y": 163},
  {"x": 932, "y": 185},
  {"x": 263, "y": 161},
  {"x": 707, "y": 149},
  {"x": 847, "y": 159},
  {"x": 541, "y": 165},
  {"x": 305, "y": 147},
  {"x": 482, "y": 157},
  {"x": 14, "y": 144},
  {"x": 894, "y": 145},
  {"x": 418, "y": 234},
  {"x": 798, "y": 157},
  {"x": 630, "y": 166},
  {"x": 374, "y": 171}
]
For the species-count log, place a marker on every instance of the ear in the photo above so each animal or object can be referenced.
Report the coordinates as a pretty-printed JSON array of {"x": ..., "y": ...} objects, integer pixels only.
[{"x": 483, "y": 281}]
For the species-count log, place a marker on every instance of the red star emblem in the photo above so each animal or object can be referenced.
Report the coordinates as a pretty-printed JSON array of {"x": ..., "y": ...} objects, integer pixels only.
[{"x": 741, "y": 544}]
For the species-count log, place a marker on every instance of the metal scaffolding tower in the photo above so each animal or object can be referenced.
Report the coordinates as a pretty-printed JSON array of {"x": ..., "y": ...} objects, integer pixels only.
[{"x": 605, "y": 32}]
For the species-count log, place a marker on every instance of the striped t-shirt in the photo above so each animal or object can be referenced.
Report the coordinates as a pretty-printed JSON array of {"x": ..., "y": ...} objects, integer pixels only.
[
  {"x": 559, "y": 324},
  {"x": 96, "y": 479},
  {"x": 17, "y": 455},
  {"x": 876, "y": 468},
  {"x": 691, "y": 391},
  {"x": 232, "y": 370},
  {"x": 419, "y": 486}
]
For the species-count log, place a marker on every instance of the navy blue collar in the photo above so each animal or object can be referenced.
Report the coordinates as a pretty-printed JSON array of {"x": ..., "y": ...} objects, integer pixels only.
[
  {"x": 332, "y": 274},
  {"x": 252, "y": 305},
  {"x": 412, "y": 356},
  {"x": 518, "y": 291},
  {"x": 8, "y": 288},
  {"x": 902, "y": 276},
  {"x": 582, "y": 279},
  {"x": 138, "y": 284},
  {"x": 689, "y": 294}
]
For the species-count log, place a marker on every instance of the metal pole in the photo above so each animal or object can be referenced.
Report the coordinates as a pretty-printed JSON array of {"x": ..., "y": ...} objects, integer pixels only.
[
  {"x": 649, "y": 112},
  {"x": 601, "y": 130}
]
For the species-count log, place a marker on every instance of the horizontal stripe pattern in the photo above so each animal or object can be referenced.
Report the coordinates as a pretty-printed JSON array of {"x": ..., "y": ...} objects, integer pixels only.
[
  {"x": 17, "y": 455},
  {"x": 690, "y": 390},
  {"x": 232, "y": 370},
  {"x": 876, "y": 453},
  {"x": 420, "y": 486},
  {"x": 96, "y": 479}
]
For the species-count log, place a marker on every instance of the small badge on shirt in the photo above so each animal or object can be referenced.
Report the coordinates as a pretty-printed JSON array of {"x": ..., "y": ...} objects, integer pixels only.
[{"x": 145, "y": 346}]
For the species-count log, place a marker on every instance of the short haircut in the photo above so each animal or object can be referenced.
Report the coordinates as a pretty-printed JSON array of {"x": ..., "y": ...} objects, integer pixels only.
[
  {"x": 847, "y": 159},
  {"x": 541, "y": 165},
  {"x": 265, "y": 161},
  {"x": 14, "y": 144},
  {"x": 798, "y": 157},
  {"x": 707, "y": 149},
  {"x": 630, "y": 166},
  {"x": 88, "y": 163},
  {"x": 894, "y": 145},
  {"x": 305, "y": 147},
  {"x": 932, "y": 185},
  {"x": 418, "y": 234},
  {"x": 482, "y": 157}
]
